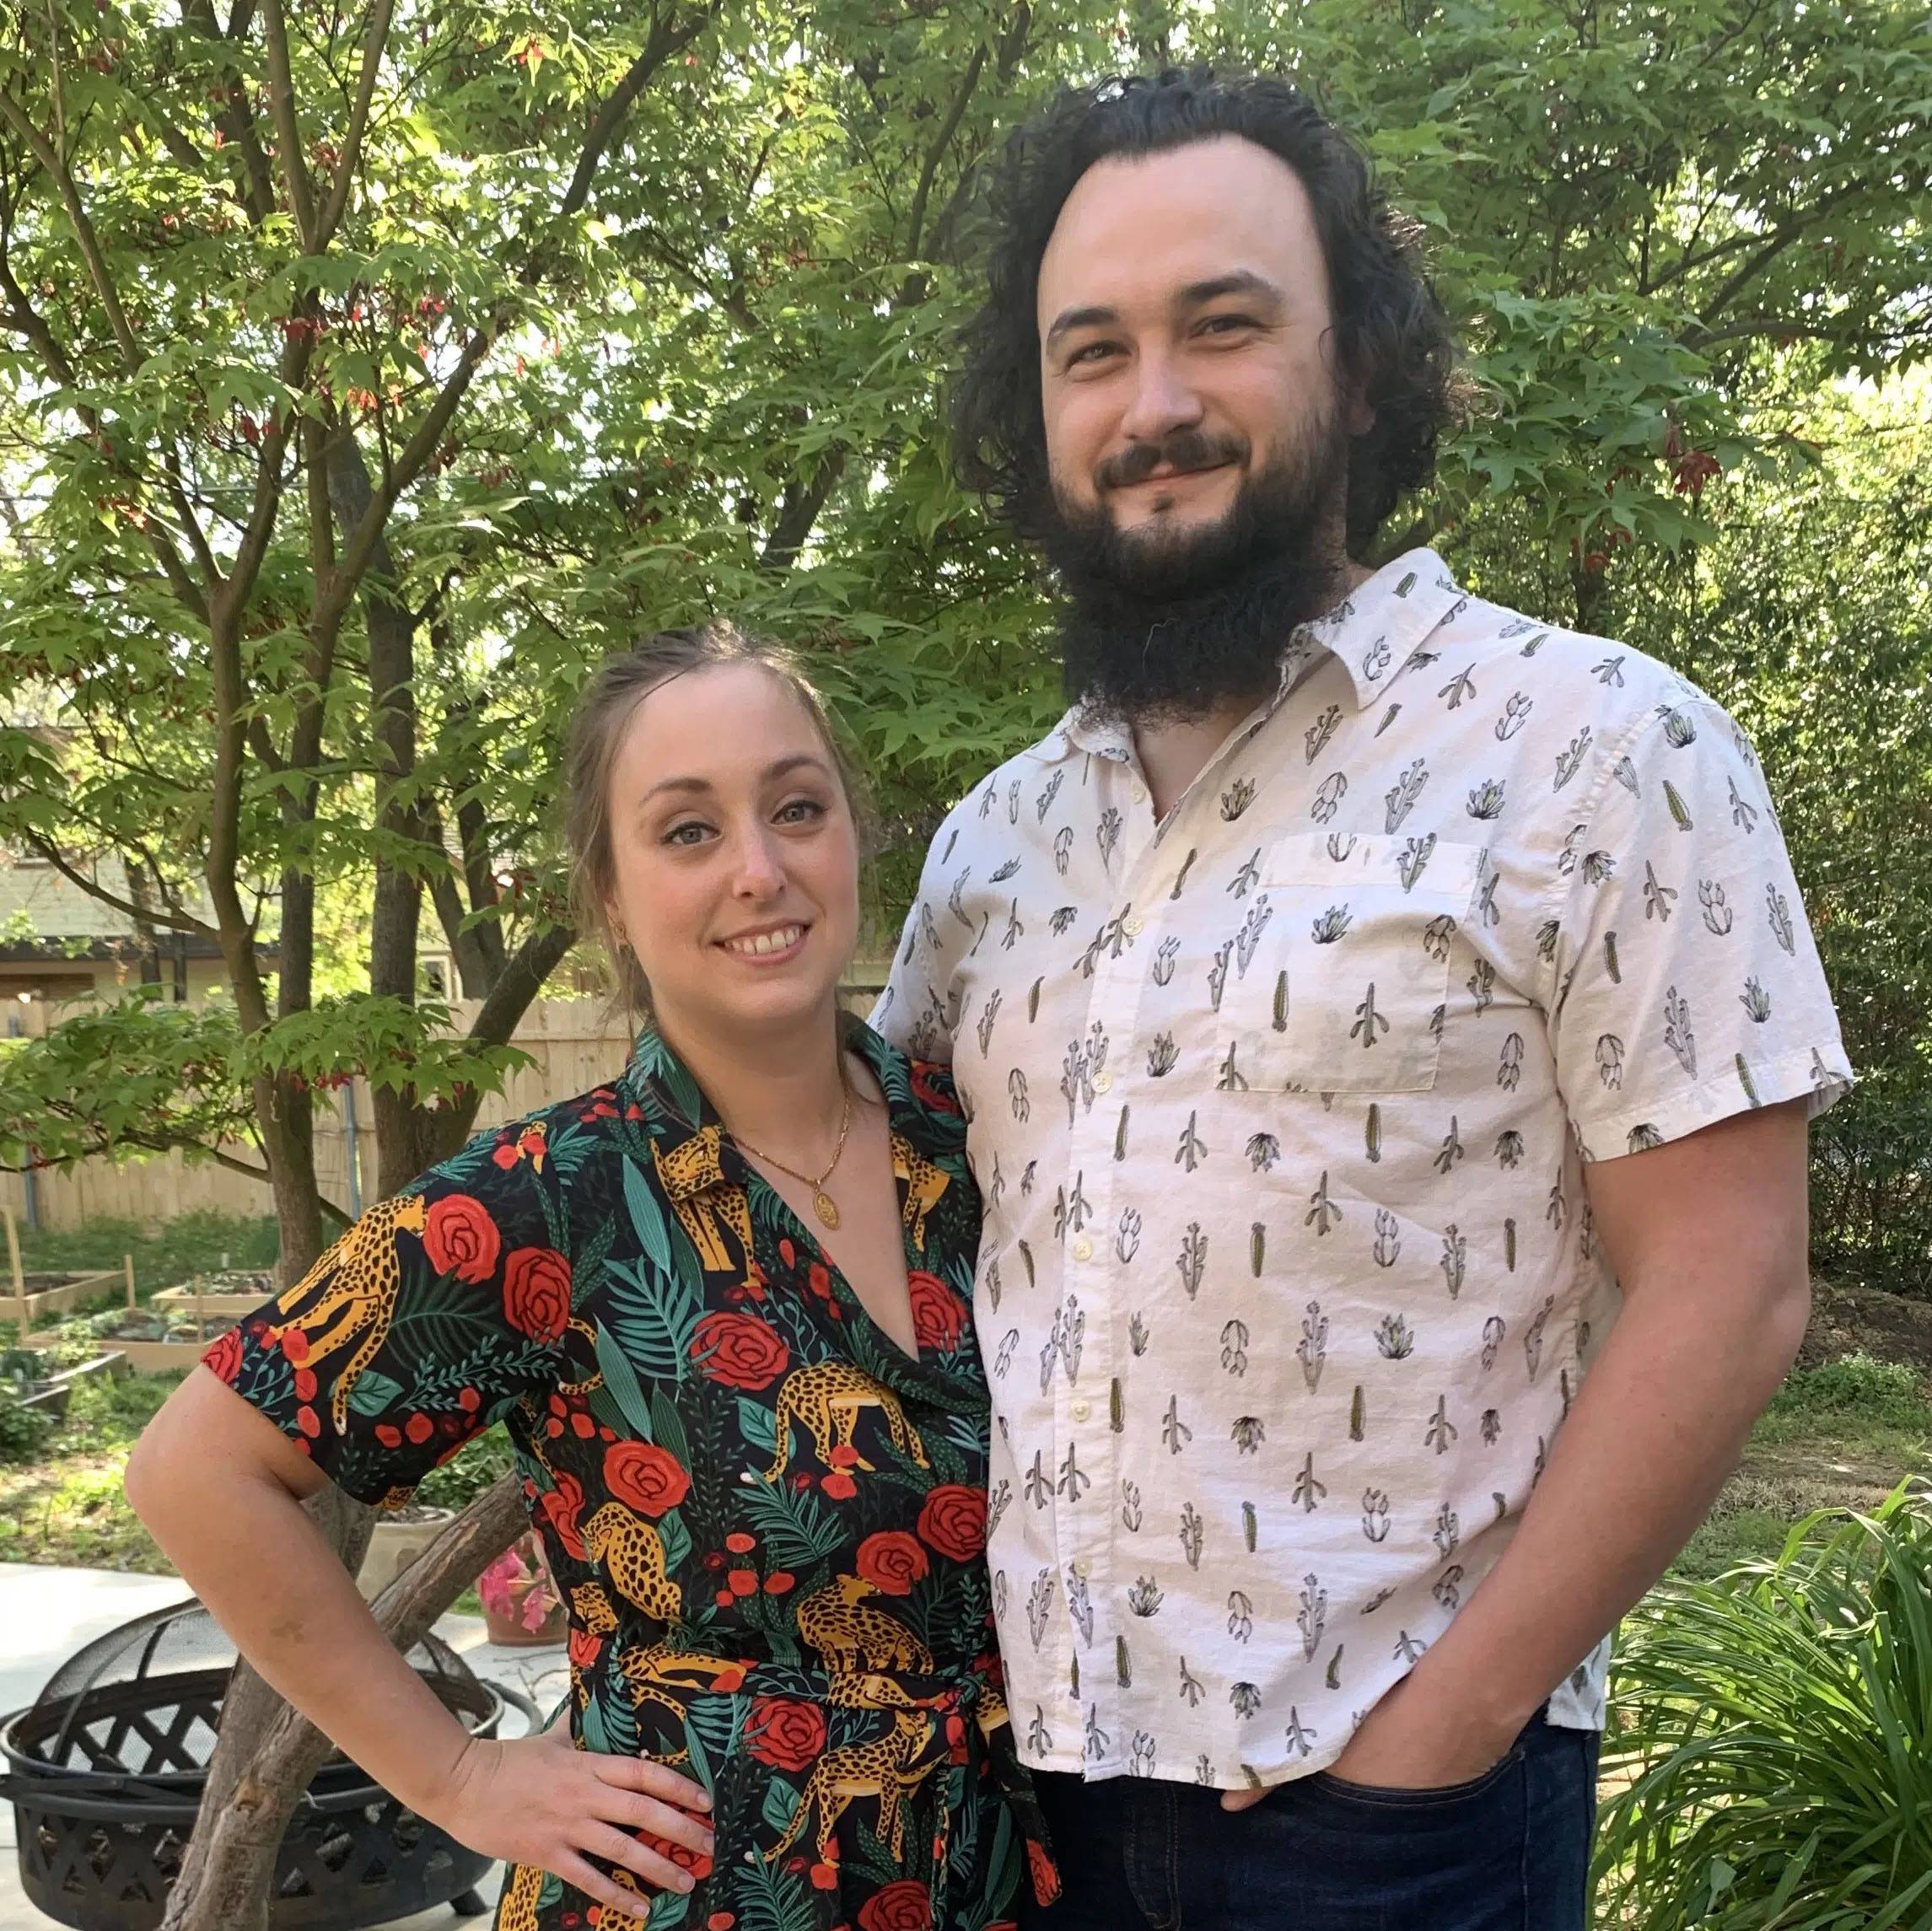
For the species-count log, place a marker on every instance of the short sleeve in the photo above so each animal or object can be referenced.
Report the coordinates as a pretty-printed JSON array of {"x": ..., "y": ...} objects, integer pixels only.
[
  {"x": 1688, "y": 985},
  {"x": 435, "y": 1314},
  {"x": 912, "y": 1013}
]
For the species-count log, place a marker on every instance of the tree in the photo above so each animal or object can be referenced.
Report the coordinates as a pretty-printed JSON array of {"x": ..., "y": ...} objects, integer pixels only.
[{"x": 367, "y": 374}]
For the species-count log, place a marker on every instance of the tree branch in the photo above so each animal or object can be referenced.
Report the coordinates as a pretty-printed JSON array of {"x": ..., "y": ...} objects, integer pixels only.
[
  {"x": 916, "y": 216},
  {"x": 523, "y": 977},
  {"x": 178, "y": 921},
  {"x": 42, "y": 150},
  {"x": 372, "y": 44},
  {"x": 668, "y": 36},
  {"x": 289, "y": 127}
]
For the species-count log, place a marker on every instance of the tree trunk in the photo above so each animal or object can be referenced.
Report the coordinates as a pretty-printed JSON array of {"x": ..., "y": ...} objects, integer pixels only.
[{"x": 267, "y": 1754}]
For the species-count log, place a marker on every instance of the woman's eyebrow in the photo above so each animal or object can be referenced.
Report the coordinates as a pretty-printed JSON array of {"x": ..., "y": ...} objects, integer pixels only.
[{"x": 780, "y": 768}]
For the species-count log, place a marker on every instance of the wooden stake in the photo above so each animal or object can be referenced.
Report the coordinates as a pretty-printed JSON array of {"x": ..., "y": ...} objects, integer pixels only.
[
  {"x": 20, "y": 1279},
  {"x": 127, "y": 1265}
]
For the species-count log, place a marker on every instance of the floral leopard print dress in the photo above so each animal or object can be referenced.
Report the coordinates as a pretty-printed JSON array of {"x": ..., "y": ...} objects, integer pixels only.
[{"x": 768, "y": 1520}]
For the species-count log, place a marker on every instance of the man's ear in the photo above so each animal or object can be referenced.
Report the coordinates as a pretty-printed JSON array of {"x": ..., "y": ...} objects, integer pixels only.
[{"x": 1358, "y": 412}]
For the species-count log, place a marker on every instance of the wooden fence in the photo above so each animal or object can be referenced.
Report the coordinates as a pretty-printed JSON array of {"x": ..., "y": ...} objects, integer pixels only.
[{"x": 574, "y": 1044}]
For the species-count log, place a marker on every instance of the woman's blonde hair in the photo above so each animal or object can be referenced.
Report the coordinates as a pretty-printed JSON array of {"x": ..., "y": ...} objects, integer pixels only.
[{"x": 597, "y": 729}]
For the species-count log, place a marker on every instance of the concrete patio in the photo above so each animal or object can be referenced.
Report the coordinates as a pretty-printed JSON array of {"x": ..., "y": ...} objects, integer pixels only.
[{"x": 47, "y": 1614}]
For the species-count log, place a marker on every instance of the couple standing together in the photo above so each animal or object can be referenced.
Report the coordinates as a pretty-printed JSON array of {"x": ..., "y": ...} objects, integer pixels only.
[{"x": 1153, "y": 1431}]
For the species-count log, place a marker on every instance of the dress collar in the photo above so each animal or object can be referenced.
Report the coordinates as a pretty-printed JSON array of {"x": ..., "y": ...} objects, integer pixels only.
[
  {"x": 1375, "y": 633},
  {"x": 695, "y": 1154}
]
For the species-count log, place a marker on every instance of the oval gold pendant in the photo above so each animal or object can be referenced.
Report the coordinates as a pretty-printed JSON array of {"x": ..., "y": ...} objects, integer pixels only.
[{"x": 826, "y": 1207}]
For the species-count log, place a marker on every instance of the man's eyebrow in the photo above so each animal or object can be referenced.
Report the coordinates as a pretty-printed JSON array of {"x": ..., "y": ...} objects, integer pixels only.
[
  {"x": 783, "y": 767},
  {"x": 1071, "y": 319},
  {"x": 1236, "y": 281}
]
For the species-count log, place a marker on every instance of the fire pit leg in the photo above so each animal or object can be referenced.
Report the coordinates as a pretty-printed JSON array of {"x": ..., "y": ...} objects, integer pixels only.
[{"x": 469, "y": 1904}]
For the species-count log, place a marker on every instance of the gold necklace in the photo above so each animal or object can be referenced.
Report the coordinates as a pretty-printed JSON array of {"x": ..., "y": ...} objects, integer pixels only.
[{"x": 823, "y": 1205}]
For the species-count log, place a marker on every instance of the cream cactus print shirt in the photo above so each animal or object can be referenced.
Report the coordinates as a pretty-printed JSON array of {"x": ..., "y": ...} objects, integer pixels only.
[{"x": 1280, "y": 1109}]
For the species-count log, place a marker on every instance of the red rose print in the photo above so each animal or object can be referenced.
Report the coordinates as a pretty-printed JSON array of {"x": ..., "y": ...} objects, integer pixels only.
[
  {"x": 224, "y": 1356},
  {"x": 904, "y": 1906},
  {"x": 644, "y": 1477},
  {"x": 938, "y": 1314},
  {"x": 931, "y": 1089},
  {"x": 891, "y": 1561},
  {"x": 561, "y": 1505},
  {"x": 1045, "y": 1872},
  {"x": 954, "y": 1521},
  {"x": 838, "y": 1485},
  {"x": 536, "y": 1292},
  {"x": 461, "y": 1238},
  {"x": 784, "y": 1733},
  {"x": 739, "y": 1350}
]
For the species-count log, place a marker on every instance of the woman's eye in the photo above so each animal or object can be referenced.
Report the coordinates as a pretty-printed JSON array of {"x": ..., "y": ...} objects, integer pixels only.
[
  {"x": 800, "y": 811},
  {"x": 688, "y": 833}
]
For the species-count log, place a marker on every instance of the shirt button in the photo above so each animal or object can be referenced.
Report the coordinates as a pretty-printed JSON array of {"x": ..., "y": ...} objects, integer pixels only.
[
  {"x": 1133, "y": 925},
  {"x": 1082, "y": 1410},
  {"x": 1083, "y": 1249},
  {"x": 1082, "y": 1569},
  {"x": 1103, "y": 1081},
  {"x": 1139, "y": 791}
]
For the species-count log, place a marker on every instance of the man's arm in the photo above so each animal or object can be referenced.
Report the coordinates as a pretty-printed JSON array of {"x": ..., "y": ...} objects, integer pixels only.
[{"x": 1707, "y": 1237}]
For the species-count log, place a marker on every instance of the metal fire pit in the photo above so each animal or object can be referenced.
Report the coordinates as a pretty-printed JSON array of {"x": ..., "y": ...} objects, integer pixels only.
[{"x": 106, "y": 1772}]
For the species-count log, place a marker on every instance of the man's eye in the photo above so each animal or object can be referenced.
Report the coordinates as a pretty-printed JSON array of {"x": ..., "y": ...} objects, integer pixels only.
[
  {"x": 1093, "y": 352},
  {"x": 1226, "y": 325}
]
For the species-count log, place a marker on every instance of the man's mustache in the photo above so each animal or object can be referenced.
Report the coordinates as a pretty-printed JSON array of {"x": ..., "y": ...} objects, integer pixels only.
[{"x": 1185, "y": 449}]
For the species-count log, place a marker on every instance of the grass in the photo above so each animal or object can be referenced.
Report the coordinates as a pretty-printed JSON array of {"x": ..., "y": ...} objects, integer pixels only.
[
  {"x": 67, "y": 1507},
  {"x": 1839, "y": 1434}
]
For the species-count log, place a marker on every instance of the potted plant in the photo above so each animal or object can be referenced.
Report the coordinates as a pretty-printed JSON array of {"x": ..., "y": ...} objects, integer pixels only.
[
  {"x": 399, "y": 1537},
  {"x": 520, "y": 1602}
]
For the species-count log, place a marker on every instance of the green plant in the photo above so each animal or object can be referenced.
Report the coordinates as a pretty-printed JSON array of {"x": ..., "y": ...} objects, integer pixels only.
[
  {"x": 24, "y": 1431},
  {"x": 1767, "y": 1752},
  {"x": 1887, "y": 1392},
  {"x": 464, "y": 1476}
]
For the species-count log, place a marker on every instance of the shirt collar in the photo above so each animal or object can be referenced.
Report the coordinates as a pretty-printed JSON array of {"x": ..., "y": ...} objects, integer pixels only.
[{"x": 1375, "y": 633}]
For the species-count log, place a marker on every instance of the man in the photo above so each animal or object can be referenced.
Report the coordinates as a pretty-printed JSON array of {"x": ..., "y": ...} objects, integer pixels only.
[{"x": 1388, "y": 1026}]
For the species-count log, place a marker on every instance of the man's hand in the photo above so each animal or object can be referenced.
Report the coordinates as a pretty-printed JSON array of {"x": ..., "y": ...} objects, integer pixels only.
[{"x": 1416, "y": 1739}]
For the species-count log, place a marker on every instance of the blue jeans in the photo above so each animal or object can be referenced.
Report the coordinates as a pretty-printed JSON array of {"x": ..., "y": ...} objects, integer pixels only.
[{"x": 1509, "y": 1851}]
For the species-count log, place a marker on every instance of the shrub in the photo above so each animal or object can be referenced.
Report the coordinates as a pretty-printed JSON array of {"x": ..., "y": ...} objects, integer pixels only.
[
  {"x": 24, "y": 1431},
  {"x": 1767, "y": 1750}
]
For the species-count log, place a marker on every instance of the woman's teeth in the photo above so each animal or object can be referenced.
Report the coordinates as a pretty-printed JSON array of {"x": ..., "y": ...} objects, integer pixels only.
[{"x": 777, "y": 941}]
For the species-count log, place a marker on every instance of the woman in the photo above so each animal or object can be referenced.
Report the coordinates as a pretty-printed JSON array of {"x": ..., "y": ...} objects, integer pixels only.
[{"x": 719, "y": 1304}]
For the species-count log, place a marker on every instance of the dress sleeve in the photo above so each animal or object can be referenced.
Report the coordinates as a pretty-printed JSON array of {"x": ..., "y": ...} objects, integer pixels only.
[
  {"x": 433, "y": 1317},
  {"x": 1687, "y": 984}
]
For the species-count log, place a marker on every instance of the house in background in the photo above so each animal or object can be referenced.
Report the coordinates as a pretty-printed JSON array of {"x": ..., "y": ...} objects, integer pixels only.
[{"x": 58, "y": 942}]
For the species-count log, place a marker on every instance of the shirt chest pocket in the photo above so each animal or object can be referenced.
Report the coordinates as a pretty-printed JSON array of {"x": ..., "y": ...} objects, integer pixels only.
[{"x": 1352, "y": 969}]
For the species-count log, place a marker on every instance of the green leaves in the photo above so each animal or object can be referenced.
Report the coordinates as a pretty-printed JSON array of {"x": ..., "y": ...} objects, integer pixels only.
[{"x": 1765, "y": 1763}]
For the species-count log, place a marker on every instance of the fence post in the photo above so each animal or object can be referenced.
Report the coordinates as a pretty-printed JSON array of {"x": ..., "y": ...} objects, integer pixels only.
[{"x": 20, "y": 1279}]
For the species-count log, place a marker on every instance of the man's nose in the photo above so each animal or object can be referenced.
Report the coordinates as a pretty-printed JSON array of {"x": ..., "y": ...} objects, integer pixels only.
[{"x": 1163, "y": 400}]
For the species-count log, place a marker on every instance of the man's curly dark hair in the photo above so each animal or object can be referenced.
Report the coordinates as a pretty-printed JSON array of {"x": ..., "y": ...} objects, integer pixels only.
[{"x": 1392, "y": 335}]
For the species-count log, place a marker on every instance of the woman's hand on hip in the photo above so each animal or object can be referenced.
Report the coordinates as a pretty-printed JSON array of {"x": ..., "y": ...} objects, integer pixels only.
[{"x": 541, "y": 1800}]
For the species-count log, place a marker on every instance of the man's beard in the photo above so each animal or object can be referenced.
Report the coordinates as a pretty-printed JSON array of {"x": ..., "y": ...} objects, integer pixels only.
[{"x": 1168, "y": 627}]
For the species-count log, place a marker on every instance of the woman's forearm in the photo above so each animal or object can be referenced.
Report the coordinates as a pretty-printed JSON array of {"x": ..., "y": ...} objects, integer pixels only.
[{"x": 243, "y": 1542}]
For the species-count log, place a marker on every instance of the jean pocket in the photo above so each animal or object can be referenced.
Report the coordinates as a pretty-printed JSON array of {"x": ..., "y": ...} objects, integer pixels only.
[{"x": 1418, "y": 1802}]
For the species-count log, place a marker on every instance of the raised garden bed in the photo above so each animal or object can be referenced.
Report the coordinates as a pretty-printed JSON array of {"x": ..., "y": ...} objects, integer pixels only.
[
  {"x": 35, "y": 1386},
  {"x": 231, "y": 1294},
  {"x": 40, "y": 1297}
]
